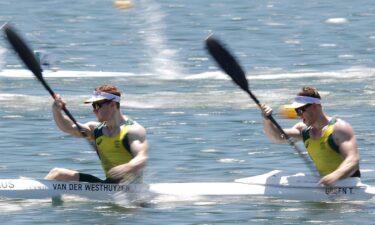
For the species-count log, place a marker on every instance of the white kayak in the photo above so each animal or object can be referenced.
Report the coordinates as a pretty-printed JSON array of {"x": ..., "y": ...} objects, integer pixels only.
[{"x": 273, "y": 184}]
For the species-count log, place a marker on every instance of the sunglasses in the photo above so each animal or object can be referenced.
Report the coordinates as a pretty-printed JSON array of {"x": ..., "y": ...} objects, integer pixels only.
[
  {"x": 97, "y": 105},
  {"x": 302, "y": 109}
]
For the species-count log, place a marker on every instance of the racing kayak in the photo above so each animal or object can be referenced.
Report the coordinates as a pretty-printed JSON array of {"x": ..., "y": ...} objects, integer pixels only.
[{"x": 276, "y": 184}]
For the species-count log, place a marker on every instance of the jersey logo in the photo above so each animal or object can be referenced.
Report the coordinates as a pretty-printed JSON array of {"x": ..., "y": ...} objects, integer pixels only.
[
  {"x": 307, "y": 144},
  {"x": 117, "y": 144}
]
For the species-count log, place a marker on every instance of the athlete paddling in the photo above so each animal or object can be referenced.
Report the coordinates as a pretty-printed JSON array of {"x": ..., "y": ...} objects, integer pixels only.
[
  {"x": 330, "y": 142},
  {"x": 120, "y": 142}
]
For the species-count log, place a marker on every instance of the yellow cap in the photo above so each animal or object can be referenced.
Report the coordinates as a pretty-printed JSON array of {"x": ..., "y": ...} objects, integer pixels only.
[
  {"x": 288, "y": 112},
  {"x": 123, "y": 4}
]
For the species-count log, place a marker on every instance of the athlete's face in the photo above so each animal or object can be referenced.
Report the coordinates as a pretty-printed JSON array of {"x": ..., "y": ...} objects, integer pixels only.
[
  {"x": 102, "y": 109},
  {"x": 307, "y": 114}
]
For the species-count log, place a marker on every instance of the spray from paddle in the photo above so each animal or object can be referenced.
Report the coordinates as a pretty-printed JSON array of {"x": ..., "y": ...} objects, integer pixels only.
[
  {"x": 162, "y": 57},
  {"x": 2, "y": 51}
]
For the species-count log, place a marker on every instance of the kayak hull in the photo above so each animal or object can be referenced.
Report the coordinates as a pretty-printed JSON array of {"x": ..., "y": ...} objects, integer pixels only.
[{"x": 275, "y": 184}]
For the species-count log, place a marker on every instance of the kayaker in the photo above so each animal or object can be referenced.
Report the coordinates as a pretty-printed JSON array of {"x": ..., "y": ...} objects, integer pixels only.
[
  {"x": 120, "y": 142},
  {"x": 330, "y": 141}
]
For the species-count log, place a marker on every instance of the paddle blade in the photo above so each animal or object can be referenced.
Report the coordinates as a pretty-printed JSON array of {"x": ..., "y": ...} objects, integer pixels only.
[
  {"x": 23, "y": 51},
  {"x": 227, "y": 62}
]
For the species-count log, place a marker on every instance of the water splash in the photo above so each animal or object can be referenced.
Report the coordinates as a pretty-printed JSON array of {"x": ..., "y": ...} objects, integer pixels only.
[
  {"x": 2, "y": 51},
  {"x": 162, "y": 58},
  {"x": 336, "y": 21},
  {"x": 2, "y": 61}
]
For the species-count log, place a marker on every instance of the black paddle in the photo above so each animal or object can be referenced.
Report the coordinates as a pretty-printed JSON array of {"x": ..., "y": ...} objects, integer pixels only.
[
  {"x": 229, "y": 64},
  {"x": 31, "y": 62}
]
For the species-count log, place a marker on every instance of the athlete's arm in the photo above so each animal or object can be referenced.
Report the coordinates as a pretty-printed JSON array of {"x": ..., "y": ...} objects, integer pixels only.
[
  {"x": 274, "y": 133},
  {"x": 65, "y": 124},
  {"x": 345, "y": 139}
]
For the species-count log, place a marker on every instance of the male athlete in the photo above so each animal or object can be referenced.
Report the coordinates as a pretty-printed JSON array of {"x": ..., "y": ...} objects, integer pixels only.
[
  {"x": 120, "y": 142},
  {"x": 330, "y": 141}
]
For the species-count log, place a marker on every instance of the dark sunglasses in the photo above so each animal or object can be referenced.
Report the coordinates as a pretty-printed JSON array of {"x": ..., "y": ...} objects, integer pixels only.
[
  {"x": 302, "y": 109},
  {"x": 97, "y": 105}
]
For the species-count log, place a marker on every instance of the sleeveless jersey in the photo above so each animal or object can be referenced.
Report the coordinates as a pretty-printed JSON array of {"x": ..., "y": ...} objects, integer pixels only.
[
  {"x": 113, "y": 151},
  {"x": 323, "y": 151}
]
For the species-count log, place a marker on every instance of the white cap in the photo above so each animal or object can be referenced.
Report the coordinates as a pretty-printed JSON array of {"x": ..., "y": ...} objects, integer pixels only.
[
  {"x": 300, "y": 101},
  {"x": 100, "y": 96}
]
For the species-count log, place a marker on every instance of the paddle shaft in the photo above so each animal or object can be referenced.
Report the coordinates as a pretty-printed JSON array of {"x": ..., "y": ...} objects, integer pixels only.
[
  {"x": 67, "y": 112},
  {"x": 27, "y": 56}
]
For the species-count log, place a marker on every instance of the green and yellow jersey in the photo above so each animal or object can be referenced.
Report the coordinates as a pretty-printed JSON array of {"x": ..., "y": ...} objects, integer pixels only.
[
  {"x": 324, "y": 151},
  {"x": 113, "y": 151}
]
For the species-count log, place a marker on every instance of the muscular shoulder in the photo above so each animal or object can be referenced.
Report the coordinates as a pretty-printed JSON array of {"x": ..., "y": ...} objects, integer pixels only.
[
  {"x": 343, "y": 132},
  {"x": 136, "y": 131}
]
